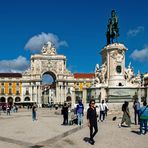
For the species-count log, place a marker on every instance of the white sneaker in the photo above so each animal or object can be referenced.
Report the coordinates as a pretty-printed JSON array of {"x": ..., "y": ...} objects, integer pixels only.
[{"x": 119, "y": 125}]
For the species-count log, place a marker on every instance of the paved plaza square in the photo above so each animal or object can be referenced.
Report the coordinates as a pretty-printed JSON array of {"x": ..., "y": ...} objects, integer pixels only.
[
  {"x": 19, "y": 131},
  {"x": 82, "y": 59}
]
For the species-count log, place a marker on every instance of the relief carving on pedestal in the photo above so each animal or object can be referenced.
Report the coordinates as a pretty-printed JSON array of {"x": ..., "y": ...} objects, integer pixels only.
[{"x": 118, "y": 55}]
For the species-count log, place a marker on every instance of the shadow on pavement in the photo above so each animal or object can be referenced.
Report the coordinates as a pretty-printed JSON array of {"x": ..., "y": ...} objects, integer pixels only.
[
  {"x": 36, "y": 146},
  {"x": 125, "y": 126},
  {"x": 135, "y": 132},
  {"x": 86, "y": 139}
]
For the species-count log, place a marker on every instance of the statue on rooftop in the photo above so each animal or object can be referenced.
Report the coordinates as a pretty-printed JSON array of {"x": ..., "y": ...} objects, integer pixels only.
[
  {"x": 112, "y": 28},
  {"x": 49, "y": 48}
]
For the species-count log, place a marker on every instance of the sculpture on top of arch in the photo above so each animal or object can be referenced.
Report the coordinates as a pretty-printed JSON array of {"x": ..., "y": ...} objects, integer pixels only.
[{"x": 49, "y": 48}]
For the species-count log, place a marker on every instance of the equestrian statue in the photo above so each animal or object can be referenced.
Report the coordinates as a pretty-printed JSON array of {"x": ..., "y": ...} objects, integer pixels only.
[{"x": 112, "y": 28}]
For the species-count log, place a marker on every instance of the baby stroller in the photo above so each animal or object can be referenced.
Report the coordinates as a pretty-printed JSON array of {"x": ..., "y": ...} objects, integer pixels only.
[{"x": 74, "y": 119}]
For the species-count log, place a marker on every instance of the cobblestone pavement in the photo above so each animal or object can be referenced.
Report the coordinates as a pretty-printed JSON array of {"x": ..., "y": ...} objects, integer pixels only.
[{"x": 19, "y": 131}]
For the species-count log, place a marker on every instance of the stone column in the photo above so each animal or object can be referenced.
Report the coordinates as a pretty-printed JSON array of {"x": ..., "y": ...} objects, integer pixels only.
[
  {"x": 64, "y": 90},
  {"x": 32, "y": 93},
  {"x": 139, "y": 94},
  {"x": 57, "y": 95},
  {"x": 73, "y": 99},
  {"x": 103, "y": 93},
  {"x": 60, "y": 96},
  {"x": 61, "y": 93},
  {"x": 84, "y": 96},
  {"x": 22, "y": 93},
  {"x": 39, "y": 99}
]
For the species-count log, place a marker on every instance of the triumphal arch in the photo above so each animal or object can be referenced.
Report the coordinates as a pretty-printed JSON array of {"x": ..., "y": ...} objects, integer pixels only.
[{"x": 49, "y": 62}]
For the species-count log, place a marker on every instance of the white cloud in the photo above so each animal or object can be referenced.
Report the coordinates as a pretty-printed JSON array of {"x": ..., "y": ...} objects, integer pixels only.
[
  {"x": 134, "y": 32},
  {"x": 15, "y": 65},
  {"x": 140, "y": 55},
  {"x": 36, "y": 42}
]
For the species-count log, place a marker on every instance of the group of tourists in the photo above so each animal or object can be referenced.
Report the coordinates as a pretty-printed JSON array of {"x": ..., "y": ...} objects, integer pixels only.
[
  {"x": 7, "y": 108},
  {"x": 95, "y": 111},
  {"x": 140, "y": 115},
  {"x": 92, "y": 114},
  {"x": 76, "y": 115}
]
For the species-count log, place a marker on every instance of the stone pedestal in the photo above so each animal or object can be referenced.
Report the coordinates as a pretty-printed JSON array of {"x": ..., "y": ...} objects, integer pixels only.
[
  {"x": 73, "y": 99},
  {"x": 84, "y": 96},
  {"x": 113, "y": 56},
  {"x": 103, "y": 94}
]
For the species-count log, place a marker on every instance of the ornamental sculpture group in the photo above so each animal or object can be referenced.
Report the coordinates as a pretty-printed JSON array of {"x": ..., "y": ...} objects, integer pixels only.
[
  {"x": 101, "y": 75},
  {"x": 112, "y": 28},
  {"x": 130, "y": 77},
  {"x": 49, "y": 48}
]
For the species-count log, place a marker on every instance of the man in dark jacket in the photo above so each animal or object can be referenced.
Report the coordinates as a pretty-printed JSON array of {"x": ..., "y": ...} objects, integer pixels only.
[
  {"x": 92, "y": 120},
  {"x": 65, "y": 114}
]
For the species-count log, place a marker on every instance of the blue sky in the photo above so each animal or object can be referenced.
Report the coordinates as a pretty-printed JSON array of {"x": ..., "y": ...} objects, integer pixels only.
[{"x": 78, "y": 28}]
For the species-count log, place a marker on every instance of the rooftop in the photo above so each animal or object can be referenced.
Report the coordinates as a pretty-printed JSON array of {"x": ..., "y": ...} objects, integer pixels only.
[
  {"x": 84, "y": 75},
  {"x": 14, "y": 75}
]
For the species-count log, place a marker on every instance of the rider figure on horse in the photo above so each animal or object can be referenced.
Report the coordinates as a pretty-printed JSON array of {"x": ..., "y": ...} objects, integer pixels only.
[{"x": 112, "y": 28}]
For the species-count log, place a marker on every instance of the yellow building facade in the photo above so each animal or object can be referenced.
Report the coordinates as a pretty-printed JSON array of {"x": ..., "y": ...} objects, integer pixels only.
[{"x": 10, "y": 87}]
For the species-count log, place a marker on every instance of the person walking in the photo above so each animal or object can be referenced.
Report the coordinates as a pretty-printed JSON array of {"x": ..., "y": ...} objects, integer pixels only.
[
  {"x": 65, "y": 114},
  {"x": 103, "y": 108},
  {"x": 92, "y": 121},
  {"x": 136, "y": 107},
  {"x": 143, "y": 113},
  {"x": 34, "y": 113},
  {"x": 8, "y": 109},
  {"x": 80, "y": 112},
  {"x": 126, "y": 115}
]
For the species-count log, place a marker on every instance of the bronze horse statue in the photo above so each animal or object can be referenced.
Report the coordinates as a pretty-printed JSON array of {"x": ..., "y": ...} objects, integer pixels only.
[{"x": 112, "y": 28}]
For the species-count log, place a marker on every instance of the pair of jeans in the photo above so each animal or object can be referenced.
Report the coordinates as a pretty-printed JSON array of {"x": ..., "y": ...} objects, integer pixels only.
[
  {"x": 102, "y": 113},
  {"x": 80, "y": 118},
  {"x": 8, "y": 112},
  {"x": 137, "y": 115},
  {"x": 92, "y": 134},
  {"x": 143, "y": 125},
  {"x": 33, "y": 116},
  {"x": 65, "y": 118}
]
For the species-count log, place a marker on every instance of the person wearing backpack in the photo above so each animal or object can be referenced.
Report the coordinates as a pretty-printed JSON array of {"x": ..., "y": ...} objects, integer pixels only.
[
  {"x": 80, "y": 112},
  {"x": 143, "y": 113}
]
